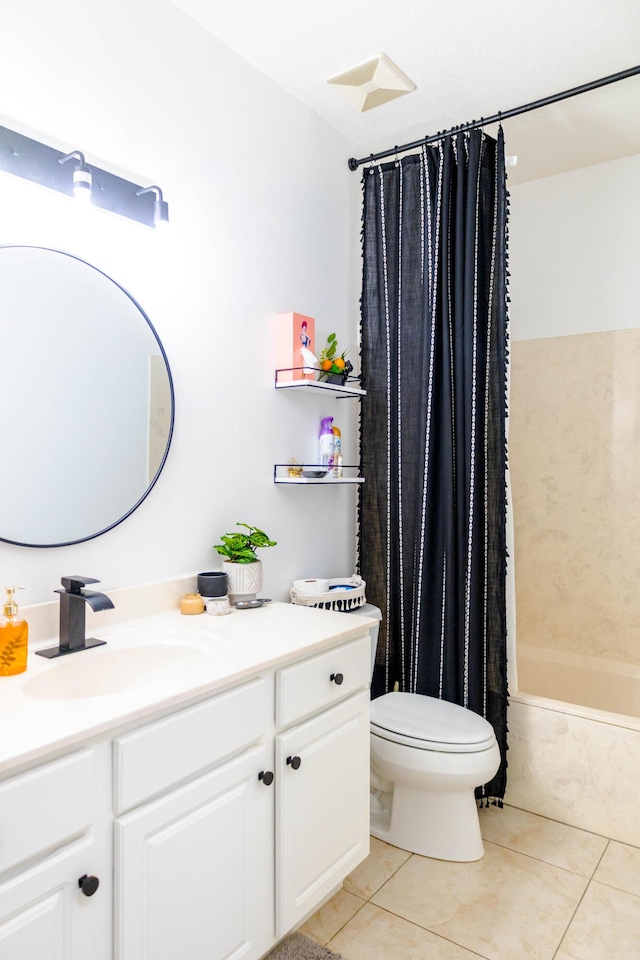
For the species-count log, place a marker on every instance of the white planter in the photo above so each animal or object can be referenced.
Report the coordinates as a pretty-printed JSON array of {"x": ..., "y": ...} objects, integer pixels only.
[{"x": 244, "y": 580}]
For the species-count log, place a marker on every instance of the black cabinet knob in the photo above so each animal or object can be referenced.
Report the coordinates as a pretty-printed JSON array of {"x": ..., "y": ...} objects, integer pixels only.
[
  {"x": 88, "y": 885},
  {"x": 294, "y": 762},
  {"x": 337, "y": 678},
  {"x": 266, "y": 776}
]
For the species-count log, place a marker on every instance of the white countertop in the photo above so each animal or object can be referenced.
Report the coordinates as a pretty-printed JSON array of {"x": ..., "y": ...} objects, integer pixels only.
[{"x": 229, "y": 649}]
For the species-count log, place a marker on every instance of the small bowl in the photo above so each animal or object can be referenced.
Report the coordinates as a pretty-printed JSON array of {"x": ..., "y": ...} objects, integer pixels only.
[{"x": 315, "y": 473}]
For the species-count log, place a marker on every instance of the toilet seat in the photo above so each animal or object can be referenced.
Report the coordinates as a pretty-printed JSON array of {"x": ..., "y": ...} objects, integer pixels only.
[{"x": 427, "y": 723}]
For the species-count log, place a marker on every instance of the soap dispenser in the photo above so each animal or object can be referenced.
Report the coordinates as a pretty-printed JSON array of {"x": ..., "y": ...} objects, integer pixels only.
[{"x": 14, "y": 635}]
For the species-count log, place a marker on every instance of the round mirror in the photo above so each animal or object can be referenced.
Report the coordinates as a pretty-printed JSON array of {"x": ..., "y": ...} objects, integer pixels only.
[{"x": 86, "y": 398}]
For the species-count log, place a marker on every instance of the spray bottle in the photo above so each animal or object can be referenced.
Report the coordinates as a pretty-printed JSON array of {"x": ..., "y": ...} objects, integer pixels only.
[
  {"x": 336, "y": 473},
  {"x": 326, "y": 442}
]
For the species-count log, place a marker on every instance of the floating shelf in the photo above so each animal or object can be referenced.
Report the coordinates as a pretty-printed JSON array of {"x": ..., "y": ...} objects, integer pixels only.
[
  {"x": 351, "y": 388},
  {"x": 328, "y": 481},
  {"x": 281, "y": 475}
]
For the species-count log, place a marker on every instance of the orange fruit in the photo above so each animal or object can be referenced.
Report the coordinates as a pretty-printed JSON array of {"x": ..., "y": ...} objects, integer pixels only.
[
  {"x": 326, "y": 364},
  {"x": 339, "y": 363}
]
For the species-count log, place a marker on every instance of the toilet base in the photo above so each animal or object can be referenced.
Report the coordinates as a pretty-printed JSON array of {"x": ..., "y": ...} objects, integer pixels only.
[{"x": 441, "y": 825}]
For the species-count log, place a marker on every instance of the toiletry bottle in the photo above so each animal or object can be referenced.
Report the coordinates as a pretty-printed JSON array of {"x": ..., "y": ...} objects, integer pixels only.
[
  {"x": 325, "y": 442},
  {"x": 14, "y": 634},
  {"x": 337, "y": 453}
]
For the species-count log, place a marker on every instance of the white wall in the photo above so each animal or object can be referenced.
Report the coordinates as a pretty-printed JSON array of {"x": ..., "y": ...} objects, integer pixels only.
[
  {"x": 574, "y": 252},
  {"x": 264, "y": 219}
]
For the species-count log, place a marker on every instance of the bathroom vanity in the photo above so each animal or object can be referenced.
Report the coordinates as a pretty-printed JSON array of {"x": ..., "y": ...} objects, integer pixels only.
[{"x": 200, "y": 808}]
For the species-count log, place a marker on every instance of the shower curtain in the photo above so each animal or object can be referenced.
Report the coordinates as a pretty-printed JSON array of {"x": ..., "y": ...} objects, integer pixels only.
[{"x": 432, "y": 542}]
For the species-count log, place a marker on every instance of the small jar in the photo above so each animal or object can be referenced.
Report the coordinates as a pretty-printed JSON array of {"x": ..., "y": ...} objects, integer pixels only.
[
  {"x": 192, "y": 603},
  {"x": 218, "y": 606}
]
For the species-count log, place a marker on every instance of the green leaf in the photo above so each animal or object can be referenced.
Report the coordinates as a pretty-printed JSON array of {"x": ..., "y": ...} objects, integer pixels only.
[{"x": 241, "y": 547}]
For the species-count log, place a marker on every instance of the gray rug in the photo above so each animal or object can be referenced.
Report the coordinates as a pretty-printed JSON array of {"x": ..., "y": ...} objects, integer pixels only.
[{"x": 300, "y": 947}]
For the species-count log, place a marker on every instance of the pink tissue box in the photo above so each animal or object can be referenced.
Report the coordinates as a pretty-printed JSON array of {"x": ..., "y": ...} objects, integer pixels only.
[{"x": 293, "y": 331}]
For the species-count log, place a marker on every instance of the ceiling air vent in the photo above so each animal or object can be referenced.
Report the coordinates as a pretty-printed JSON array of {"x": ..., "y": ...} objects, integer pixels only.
[{"x": 372, "y": 83}]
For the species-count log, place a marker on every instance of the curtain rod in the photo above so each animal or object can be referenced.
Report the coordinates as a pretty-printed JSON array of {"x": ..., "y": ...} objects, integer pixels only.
[{"x": 497, "y": 117}]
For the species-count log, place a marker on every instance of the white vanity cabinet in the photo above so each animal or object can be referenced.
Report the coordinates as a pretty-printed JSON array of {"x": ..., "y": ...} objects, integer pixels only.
[
  {"x": 322, "y": 767},
  {"x": 322, "y": 823},
  {"x": 194, "y": 867},
  {"x": 42, "y": 913},
  {"x": 214, "y": 830},
  {"x": 50, "y": 902}
]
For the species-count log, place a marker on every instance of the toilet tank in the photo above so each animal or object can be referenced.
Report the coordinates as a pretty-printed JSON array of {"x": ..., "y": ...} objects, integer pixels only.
[{"x": 368, "y": 610}]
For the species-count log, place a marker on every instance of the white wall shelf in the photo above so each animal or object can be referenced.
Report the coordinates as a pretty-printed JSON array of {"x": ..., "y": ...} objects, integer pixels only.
[
  {"x": 351, "y": 388},
  {"x": 281, "y": 475},
  {"x": 328, "y": 482}
]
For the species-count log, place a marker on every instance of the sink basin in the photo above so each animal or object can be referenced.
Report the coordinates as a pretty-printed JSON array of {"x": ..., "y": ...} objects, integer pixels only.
[{"x": 109, "y": 670}]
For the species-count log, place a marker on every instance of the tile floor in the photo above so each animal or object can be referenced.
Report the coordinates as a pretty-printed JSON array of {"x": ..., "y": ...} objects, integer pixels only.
[{"x": 543, "y": 891}]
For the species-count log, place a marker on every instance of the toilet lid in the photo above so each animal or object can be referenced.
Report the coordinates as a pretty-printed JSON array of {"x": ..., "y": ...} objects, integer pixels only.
[{"x": 431, "y": 723}]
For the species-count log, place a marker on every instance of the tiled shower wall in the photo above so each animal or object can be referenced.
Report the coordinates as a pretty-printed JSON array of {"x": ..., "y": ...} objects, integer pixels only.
[
  {"x": 574, "y": 453},
  {"x": 574, "y": 424}
]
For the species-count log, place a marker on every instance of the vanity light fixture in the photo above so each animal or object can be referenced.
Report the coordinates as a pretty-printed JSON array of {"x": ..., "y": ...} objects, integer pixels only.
[
  {"x": 160, "y": 206},
  {"x": 82, "y": 179},
  {"x": 39, "y": 163}
]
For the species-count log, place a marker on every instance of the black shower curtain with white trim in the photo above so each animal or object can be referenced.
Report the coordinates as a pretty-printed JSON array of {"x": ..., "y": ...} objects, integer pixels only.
[{"x": 434, "y": 351}]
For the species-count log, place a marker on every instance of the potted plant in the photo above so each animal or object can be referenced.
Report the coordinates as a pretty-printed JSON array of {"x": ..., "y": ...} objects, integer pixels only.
[
  {"x": 335, "y": 369},
  {"x": 242, "y": 567}
]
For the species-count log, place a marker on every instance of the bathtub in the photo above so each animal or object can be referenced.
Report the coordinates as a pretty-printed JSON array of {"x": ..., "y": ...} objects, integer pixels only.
[
  {"x": 574, "y": 741},
  {"x": 579, "y": 679}
]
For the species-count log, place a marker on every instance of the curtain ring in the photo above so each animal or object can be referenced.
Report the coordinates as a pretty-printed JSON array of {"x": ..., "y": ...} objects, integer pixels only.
[{"x": 397, "y": 158}]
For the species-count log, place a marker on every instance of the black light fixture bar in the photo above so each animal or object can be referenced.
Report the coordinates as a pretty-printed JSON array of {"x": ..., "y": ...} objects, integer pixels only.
[
  {"x": 497, "y": 117},
  {"x": 40, "y": 164}
]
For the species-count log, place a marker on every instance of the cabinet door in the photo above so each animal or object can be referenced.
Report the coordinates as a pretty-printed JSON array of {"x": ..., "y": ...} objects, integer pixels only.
[
  {"x": 43, "y": 912},
  {"x": 322, "y": 807},
  {"x": 194, "y": 870}
]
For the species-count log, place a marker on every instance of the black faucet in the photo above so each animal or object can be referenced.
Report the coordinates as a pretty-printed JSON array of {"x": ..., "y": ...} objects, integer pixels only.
[{"x": 72, "y": 616}]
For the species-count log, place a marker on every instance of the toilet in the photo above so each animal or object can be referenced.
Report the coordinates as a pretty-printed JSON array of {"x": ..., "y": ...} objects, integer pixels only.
[{"x": 427, "y": 758}]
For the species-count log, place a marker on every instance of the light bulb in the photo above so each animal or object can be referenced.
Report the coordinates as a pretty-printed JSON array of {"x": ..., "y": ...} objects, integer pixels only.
[
  {"x": 160, "y": 213},
  {"x": 82, "y": 183},
  {"x": 160, "y": 205},
  {"x": 82, "y": 179}
]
